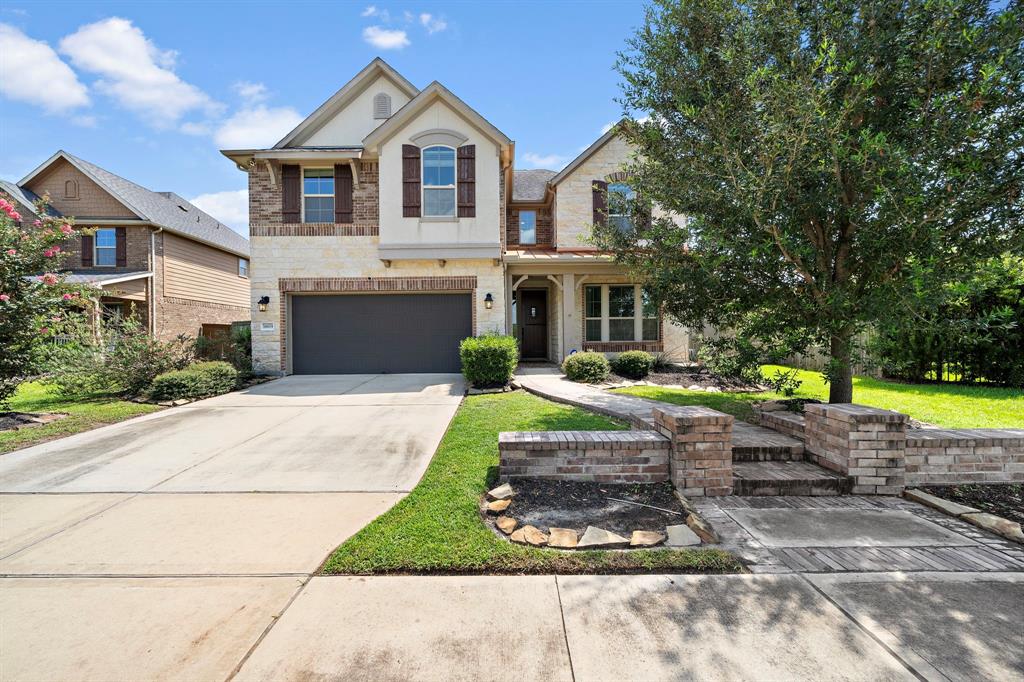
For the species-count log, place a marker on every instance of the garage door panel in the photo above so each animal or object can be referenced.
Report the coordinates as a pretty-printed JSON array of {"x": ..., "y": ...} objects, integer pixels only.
[{"x": 379, "y": 333}]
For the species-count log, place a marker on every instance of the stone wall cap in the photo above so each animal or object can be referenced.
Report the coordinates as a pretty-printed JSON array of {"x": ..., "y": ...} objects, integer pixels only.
[
  {"x": 852, "y": 412},
  {"x": 690, "y": 412},
  {"x": 647, "y": 439}
]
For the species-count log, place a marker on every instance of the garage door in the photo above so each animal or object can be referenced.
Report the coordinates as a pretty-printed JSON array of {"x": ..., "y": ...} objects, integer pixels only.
[{"x": 378, "y": 333}]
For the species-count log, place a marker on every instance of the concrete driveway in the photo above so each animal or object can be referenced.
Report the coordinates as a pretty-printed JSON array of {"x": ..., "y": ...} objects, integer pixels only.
[{"x": 165, "y": 545}]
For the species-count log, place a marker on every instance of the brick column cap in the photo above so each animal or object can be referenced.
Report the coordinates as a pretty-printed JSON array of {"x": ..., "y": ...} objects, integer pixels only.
[
  {"x": 690, "y": 415},
  {"x": 857, "y": 414}
]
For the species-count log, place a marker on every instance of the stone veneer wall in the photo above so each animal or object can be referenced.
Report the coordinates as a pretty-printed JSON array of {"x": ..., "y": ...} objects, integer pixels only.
[
  {"x": 865, "y": 443},
  {"x": 952, "y": 456},
  {"x": 701, "y": 458},
  {"x": 603, "y": 456}
]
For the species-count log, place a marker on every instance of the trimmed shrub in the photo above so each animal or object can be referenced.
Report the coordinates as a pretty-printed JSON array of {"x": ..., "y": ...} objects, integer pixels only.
[
  {"x": 588, "y": 367},
  {"x": 489, "y": 360},
  {"x": 200, "y": 380},
  {"x": 633, "y": 364}
]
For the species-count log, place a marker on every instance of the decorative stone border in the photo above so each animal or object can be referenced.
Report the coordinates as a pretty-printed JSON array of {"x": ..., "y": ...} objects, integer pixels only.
[
  {"x": 1010, "y": 530},
  {"x": 498, "y": 502}
]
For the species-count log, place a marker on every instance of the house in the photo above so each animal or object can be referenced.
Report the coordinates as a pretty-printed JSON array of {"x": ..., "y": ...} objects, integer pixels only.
[
  {"x": 153, "y": 254},
  {"x": 391, "y": 223}
]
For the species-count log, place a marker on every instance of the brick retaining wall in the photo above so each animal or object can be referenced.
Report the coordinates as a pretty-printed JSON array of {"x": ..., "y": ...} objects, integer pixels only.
[
  {"x": 865, "y": 443},
  {"x": 605, "y": 456},
  {"x": 701, "y": 461},
  {"x": 950, "y": 456}
]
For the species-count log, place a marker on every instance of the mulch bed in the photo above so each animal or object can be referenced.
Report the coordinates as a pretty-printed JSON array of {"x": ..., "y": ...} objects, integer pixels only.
[
  {"x": 576, "y": 505},
  {"x": 680, "y": 375},
  {"x": 1001, "y": 499},
  {"x": 12, "y": 421}
]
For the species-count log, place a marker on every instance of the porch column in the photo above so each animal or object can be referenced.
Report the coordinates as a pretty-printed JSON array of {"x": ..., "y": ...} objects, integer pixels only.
[{"x": 572, "y": 337}]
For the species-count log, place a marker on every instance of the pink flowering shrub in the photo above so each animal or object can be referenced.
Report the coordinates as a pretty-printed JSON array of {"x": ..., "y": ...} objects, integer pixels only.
[{"x": 32, "y": 294}]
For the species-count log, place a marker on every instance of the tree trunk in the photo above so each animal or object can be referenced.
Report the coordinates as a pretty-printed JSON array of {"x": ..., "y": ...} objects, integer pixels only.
[{"x": 840, "y": 388}]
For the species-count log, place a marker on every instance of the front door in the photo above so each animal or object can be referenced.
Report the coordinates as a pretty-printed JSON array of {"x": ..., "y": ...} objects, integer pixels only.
[{"x": 533, "y": 323}]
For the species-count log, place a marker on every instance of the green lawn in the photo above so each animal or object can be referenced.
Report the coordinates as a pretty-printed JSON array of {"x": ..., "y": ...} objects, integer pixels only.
[
  {"x": 950, "y": 406},
  {"x": 438, "y": 529},
  {"x": 84, "y": 414}
]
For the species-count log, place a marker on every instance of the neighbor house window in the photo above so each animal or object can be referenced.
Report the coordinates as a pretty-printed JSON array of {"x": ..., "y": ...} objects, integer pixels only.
[
  {"x": 620, "y": 206},
  {"x": 243, "y": 267},
  {"x": 105, "y": 247},
  {"x": 439, "y": 182},
  {"x": 318, "y": 195},
  {"x": 619, "y": 312},
  {"x": 527, "y": 227}
]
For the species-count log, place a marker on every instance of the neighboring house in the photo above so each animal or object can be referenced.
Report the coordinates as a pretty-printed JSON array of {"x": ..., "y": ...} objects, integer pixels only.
[
  {"x": 153, "y": 254},
  {"x": 390, "y": 224}
]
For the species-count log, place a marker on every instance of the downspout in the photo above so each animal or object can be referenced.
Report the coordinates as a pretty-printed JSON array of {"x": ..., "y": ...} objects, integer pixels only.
[{"x": 152, "y": 281}]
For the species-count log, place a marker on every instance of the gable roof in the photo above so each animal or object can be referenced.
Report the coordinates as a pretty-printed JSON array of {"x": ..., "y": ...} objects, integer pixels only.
[
  {"x": 163, "y": 209},
  {"x": 586, "y": 154},
  {"x": 427, "y": 96},
  {"x": 25, "y": 198},
  {"x": 341, "y": 99},
  {"x": 531, "y": 185}
]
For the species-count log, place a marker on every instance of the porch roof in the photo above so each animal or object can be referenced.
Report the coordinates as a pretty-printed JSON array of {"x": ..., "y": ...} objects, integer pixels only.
[
  {"x": 540, "y": 256},
  {"x": 101, "y": 279}
]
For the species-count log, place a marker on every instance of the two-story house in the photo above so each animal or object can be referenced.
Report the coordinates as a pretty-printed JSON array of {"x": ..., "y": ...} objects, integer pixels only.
[
  {"x": 391, "y": 223},
  {"x": 153, "y": 255}
]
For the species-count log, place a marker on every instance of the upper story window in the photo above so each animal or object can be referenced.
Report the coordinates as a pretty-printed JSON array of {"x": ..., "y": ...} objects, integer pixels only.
[
  {"x": 527, "y": 227},
  {"x": 243, "y": 267},
  {"x": 105, "y": 247},
  {"x": 318, "y": 195},
  {"x": 620, "y": 206},
  {"x": 439, "y": 182},
  {"x": 381, "y": 105}
]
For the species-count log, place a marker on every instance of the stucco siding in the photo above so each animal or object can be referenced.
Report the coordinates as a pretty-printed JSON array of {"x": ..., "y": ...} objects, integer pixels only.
[{"x": 356, "y": 120}]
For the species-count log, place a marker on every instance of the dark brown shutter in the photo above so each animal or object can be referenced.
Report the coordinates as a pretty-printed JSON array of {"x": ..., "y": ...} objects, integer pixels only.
[
  {"x": 121, "y": 244},
  {"x": 87, "y": 245},
  {"x": 291, "y": 199},
  {"x": 600, "y": 191},
  {"x": 467, "y": 181},
  {"x": 410, "y": 181},
  {"x": 342, "y": 193}
]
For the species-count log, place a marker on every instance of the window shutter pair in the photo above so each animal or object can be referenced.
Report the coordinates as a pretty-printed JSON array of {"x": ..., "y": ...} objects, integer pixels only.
[
  {"x": 600, "y": 201},
  {"x": 291, "y": 190},
  {"x": 465, "y": 181},
  {"x": 342, "y": 193}
]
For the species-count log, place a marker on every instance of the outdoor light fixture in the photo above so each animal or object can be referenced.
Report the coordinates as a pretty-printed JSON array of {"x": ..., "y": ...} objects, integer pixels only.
[
  {"x": 488, "y": 301},
  {"x": 262, "y": 303}
]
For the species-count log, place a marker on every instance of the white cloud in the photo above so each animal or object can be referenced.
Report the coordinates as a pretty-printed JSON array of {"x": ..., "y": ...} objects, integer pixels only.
[
  {"x": 250, "y": 92},
  {"x": 433, "y": 24},
  {"x": 552, "y": 161},
  {"x": 231, "y": 208},
  {"x": 369, "y": 11},
  {"x": 373, "y": 11},
  {"x": 256, "y": 127},
  {"x": 607, "y": 126},
  {"x": 30, "y": 71},
  {"x": 385, "y": 39},
  {"x": 192, "y": 128},
  {"x": 135, "y": 72}
]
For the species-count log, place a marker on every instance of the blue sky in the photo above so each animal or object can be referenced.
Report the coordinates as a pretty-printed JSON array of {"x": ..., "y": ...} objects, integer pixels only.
[{"x": 152, "y": 90}]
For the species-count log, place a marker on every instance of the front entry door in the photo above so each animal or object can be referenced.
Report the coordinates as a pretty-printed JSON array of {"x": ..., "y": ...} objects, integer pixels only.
[{"x": 533, "y": 321}]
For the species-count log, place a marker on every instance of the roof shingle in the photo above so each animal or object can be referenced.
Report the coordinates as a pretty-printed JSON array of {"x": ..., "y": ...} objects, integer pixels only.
[{"x": 531, "y": 185}]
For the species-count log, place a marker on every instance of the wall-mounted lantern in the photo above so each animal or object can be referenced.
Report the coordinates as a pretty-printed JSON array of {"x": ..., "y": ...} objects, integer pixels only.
[
  {"x": 262, "y": 303},
  {"x": 488, "y": 301}
]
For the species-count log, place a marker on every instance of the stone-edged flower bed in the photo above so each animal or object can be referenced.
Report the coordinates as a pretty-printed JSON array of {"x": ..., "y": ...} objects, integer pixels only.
[
  {"x": 993, "y": 523},
  {"x": 13, "y": 421},
  {"x": 578, "y": 515}
]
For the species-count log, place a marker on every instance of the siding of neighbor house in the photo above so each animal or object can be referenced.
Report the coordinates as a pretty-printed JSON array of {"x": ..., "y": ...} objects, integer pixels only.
[{"x": 93, "y": 201}]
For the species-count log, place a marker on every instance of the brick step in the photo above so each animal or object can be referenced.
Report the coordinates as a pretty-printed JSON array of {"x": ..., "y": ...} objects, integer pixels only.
[
  {"x": 759, "y": 444},
  {"x": 786, "y": 478}
]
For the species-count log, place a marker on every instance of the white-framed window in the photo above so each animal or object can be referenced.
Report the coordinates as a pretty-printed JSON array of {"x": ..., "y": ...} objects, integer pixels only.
[
  {"x": 243, "y": 267},
  {"x": 439, "y": 182},
  {"x": 318, "y": 195},
  {"x": 527, "y": 227},
  {"x": 105, "y": 247},
  {"x": 619, "y": 312},
  {"x": 620, "y": 206}
]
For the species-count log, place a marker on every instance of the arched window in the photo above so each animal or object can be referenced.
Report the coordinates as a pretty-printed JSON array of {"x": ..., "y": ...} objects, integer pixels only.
[
  {"x": 620, "y": 206},
  {"x": 71, "y": 189},
  {"x": 439, "y": 182},
  {"x": 381, "y": 105}
]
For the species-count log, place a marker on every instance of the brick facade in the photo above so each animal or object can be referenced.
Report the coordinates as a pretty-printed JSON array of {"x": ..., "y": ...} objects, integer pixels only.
[
  {"x": 545, "y": 227},
  {"x": 137, "y": 245},
  {"x": 865, "y": 443},
  {"x": 603, "y": 456},
  {"x": 701, "y": 458},
  {"x": 952, "y": 456}
]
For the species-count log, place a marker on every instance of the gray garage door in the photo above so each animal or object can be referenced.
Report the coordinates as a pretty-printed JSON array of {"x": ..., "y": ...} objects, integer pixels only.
[{"x": 376, "y": 333}]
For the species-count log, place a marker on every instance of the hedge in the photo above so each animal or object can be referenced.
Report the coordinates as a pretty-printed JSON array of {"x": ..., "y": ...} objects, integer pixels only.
[
  {"x": 633, "y": 364},
  {"x": 587, "y": 366},
  {"x": 200, "y": 380},
  {"x": 490, "y": 360}
]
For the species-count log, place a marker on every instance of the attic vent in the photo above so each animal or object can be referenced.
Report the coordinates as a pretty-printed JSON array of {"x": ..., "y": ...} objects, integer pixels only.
[{"x": 381, "y": 105}]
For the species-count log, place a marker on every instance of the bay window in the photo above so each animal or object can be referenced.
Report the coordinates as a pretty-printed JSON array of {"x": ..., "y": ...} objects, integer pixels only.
[{"x": 619, "y": 312}]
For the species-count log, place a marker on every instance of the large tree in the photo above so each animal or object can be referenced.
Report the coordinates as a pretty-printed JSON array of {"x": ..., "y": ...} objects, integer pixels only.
[{"x": 829, "y": 155}]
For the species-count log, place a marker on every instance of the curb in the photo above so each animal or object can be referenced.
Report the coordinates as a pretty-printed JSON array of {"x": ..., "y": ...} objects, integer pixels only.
[{"x": 1010, "y": 530}]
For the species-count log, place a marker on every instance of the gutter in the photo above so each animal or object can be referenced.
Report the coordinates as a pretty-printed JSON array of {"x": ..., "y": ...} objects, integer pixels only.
[{"x": 152, "y": 281}]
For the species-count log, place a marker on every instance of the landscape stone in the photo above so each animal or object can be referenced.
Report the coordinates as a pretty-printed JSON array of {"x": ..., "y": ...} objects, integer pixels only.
[
  {"x": 506, "y": 524},
  {"x": 713, "y": 389},
  {"x": 694, "y": 387},
  {"x": 681, "y": 536},
  {"x": 996, "y": 524},
  {"x": 502, "y": 492},
  {"x": 562, "y": 537},
  {"x": 599, "y": 537},
  {"x": 534, "y": 536},
  {"x": 935, "y": 502},
  {"x": 498, "y": 506},
  {"x": 519, "y": 535},
  {"x": 699, "y": 526},
  {"x": 646, "y": 538}
]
